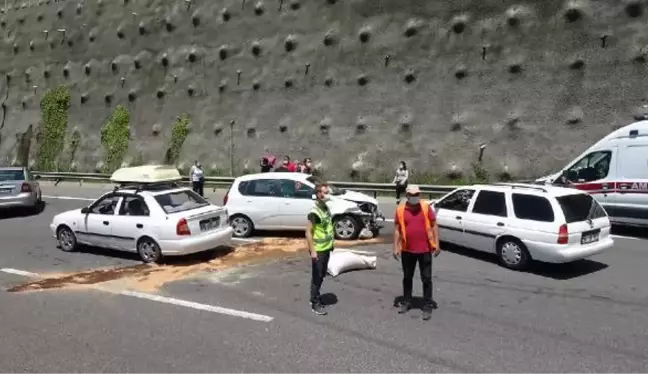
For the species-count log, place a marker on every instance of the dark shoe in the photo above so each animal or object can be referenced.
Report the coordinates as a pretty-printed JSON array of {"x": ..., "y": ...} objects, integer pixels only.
[
  {"x": 403, "y": 307},
  {"x": 318, "y": 309},
  {"x": 427, "y": 314}
]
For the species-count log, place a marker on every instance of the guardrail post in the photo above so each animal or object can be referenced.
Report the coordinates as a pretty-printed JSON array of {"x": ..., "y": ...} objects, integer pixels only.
[{"x": 375, "y": 194}]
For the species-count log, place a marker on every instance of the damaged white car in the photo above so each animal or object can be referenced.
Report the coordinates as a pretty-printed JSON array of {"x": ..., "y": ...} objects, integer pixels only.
[{"x": 282, "y": 201}]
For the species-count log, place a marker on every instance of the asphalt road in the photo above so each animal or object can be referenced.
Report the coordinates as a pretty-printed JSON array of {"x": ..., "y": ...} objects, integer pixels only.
[{"x": 588, "y": 316}]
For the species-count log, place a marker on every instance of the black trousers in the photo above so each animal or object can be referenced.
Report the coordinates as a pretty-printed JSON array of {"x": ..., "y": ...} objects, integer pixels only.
[
  {"x": 319, "y": 266},
  {"x": 198, "y": 188},
  {"x": 400, "y": 190},
  {"x": 409, "y": 261}
]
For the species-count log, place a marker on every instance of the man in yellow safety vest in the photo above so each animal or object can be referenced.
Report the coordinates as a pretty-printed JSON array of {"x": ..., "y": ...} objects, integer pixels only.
[
  {"x": 416, "y": 240},
  {"x": 320, "y": 239}
]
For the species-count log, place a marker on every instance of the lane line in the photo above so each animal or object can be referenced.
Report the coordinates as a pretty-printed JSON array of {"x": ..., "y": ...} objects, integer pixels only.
[
  {"x": 19, "y": 272},
  {"x": 68, "y": 198},
  {"x": 199, "y": 306},
  {"x": 625, "y": 237},
  {"x": 162, "y": 299}
]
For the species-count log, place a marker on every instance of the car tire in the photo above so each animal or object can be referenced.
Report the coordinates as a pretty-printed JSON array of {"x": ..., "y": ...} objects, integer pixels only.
[
  {"x": 346, "y": 227},
  {"x": 149, "y": 251},
  {"x": 513, "y": 254},
  {"x": 242, "y": 225},
  {"x": 66, "y": 238},
  {"x": 375, "y": 232}
]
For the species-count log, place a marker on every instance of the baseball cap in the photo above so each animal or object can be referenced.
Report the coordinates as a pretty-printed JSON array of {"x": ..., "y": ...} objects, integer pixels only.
[{"x": 413, "y": 189}]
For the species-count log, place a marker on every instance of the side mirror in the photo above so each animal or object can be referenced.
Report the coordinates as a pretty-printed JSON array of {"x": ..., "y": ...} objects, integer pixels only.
[
  {"x": 314, "y": 197},
  {"x": 85, "y": 210}
]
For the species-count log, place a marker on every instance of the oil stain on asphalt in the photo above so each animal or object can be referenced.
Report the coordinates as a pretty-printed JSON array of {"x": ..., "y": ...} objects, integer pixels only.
[{"x": 147, "y": 277}]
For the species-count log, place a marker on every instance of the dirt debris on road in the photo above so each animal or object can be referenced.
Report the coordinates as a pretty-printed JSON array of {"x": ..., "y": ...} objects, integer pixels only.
[{"x": 151, "y": 277}]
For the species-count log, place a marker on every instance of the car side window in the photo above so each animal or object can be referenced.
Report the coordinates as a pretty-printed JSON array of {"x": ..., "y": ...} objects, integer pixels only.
[
  {"x": 264, "y": 187},
  {"x": 134, "y": 206},
  {"x": 296, "y": 189},
  {"x": 534, "y": 208},
  {"x": 458, "y": 201},
  {"x": 594, "y": 166},
  {"x": 242, "y": 188},
  {"x": 491, "y": 203},
  {"x": 106, "y": 205}
]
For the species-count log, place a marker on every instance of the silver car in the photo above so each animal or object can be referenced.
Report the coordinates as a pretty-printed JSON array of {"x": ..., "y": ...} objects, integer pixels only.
[{"x": 19, "y": 189}]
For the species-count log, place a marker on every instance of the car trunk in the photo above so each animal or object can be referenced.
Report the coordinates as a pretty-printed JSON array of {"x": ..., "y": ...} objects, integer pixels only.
[
  {"x": 11, "y": 182},
  {"x": 203, "y": 220},
  {"x": 586, "y": 220}
]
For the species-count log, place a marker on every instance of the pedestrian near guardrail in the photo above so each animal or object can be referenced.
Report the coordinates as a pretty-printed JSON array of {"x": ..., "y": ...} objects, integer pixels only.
[
  {"x": 197, "y": 178},
  {"x": 401, "y": 180},
  {"x": 416, "y": 241}
]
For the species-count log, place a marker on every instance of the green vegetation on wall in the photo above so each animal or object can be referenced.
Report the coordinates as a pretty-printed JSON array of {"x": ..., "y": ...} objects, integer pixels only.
[
  {"x": 115, "y": 136},
  {"x": 54, "y": 112},
  {"x": 67, "y": 159},
  {"x": 179, "y": 133}
]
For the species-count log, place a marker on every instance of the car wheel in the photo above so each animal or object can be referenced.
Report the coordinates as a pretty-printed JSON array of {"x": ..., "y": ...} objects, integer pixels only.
[
  {"x": 513, "y": 254},
  {"x": 242, "y": 226},
  {"x": 66, "y": 239},
  {"x": 346, "y": 228},
  {"x": 149, "y": 251},
  {"x": 375, "y": 232}
]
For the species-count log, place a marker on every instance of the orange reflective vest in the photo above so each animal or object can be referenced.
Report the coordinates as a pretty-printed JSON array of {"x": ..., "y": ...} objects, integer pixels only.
[{"x": 400, "y": 215}]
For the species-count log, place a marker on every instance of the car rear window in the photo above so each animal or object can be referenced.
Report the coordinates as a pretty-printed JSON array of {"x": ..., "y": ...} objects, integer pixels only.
[
  {"x": 12, "y": 175},
  {"x": 580, "y": 207},
  {"x": 180, "y": 201},
  {"x": 534, "y": 208}
]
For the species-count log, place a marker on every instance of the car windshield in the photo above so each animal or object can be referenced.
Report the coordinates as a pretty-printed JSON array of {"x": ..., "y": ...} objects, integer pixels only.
[
  {"x": 332, "y": 189},
  {"x": 580, "y": 207},
  {"x": 180, "y": 201},
  {"x": 11, "y": 175}
]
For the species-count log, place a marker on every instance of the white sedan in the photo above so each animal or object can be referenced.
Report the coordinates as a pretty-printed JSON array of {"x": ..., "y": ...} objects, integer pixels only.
[{"x": 153, "y": 221}]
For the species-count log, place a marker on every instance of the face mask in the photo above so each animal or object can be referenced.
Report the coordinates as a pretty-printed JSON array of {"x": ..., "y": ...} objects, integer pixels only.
[
  {"x": 326, "y": 198},
  {"x": 413, "y": 200}
]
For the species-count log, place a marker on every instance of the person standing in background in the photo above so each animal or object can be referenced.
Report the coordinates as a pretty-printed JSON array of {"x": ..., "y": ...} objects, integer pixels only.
[
  {"x": 307, "y": 167},
  {"x": 267, "y": 163},
  {"x": 401, "y": 180},
  {"x": 286, "y": 165},
  {"x": 197, "y": 178},
  {"x": 416, "y": 240}
]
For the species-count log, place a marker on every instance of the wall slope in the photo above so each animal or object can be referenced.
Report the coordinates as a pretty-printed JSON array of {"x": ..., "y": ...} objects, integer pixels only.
[{"x": 352, "y": 83}]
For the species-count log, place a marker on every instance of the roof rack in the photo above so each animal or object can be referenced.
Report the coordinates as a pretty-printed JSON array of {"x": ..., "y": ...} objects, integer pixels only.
[
  {"x": 521, "y": 185},
  {"x": 138, "y": 186}
]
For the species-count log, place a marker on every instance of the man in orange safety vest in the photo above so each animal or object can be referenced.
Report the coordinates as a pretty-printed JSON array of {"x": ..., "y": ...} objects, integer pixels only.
[{"x": 416, "y": 241}]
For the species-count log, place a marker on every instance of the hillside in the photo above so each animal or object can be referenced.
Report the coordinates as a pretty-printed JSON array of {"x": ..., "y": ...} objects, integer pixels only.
[{"x": 354, "y": 84}]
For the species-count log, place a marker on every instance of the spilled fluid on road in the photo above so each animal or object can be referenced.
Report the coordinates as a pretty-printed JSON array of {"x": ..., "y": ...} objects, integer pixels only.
[{"x": 146, "y": 277}]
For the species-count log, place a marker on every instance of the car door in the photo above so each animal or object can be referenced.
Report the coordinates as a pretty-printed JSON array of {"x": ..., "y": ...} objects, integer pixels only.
[
  {"x": 630, "y": 201},
  {"x": 133, "y": 219},
  {"x": 265, "y": 203},
  {"x": 97, "y": 229},
  {"x": 450, "y": 212},
  {"x": 299, "y": 202},
  {"x": 486, "y": 220}
]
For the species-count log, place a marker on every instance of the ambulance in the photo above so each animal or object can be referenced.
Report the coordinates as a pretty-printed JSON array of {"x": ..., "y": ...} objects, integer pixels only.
[{"x": 615, "y": 172}]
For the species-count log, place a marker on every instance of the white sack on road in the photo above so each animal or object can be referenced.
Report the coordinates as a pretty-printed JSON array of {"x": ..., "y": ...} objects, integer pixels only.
[{"x": 343, "y": 261}]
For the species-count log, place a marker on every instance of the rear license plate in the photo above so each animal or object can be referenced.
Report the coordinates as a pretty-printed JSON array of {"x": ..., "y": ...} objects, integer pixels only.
[
  {"x": 4, "y": 191},
  {"x": 590, "y": 236},
  {"x": 209, "y": 224}
]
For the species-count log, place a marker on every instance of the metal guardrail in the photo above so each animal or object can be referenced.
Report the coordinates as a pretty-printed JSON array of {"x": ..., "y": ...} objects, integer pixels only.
[{"x": 216, "y": 182}]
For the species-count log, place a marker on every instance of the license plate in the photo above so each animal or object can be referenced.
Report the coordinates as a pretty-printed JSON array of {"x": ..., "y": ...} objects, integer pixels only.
[
  {"x": 590, "y": 237},
  {"x": 209, "y": 224},
  {"x": 5, "y": 191}
]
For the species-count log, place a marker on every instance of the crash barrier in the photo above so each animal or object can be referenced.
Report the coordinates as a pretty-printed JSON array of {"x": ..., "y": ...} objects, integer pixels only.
[{"x": 225, "y": 182}]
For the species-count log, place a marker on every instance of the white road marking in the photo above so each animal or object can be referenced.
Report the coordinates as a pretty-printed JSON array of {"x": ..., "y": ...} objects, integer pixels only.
[
  {"x": 199, "y": 306},
  {"x": 19, "y": 272},
  {"x": 247, "y": 240},
  {"x": 162, "y": 299},
  {"x": 68, "y": 198},
  {"x": 389, "y": 220},
  {"x": 625, "y": 237}
]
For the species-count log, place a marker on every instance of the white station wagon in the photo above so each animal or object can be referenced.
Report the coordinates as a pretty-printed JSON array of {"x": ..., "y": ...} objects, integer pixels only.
[
  {"x": 148, "y": 214},
  {"x": 522, "y": 222}
]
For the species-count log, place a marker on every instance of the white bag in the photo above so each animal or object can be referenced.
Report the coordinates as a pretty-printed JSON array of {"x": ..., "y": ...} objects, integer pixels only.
[{"x": 343, "y": 261}]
